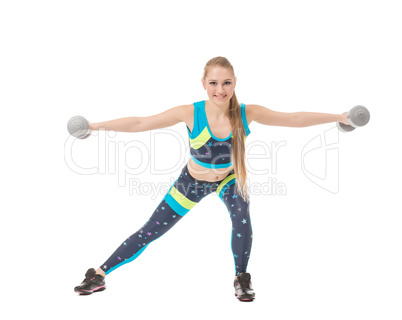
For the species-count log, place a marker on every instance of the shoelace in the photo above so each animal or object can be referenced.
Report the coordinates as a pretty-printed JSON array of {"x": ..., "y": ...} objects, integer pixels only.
[
  {"x": 245, "y": 285},
  {"x": 90, "y": 276},
  {"x": 242, "y": 284}
]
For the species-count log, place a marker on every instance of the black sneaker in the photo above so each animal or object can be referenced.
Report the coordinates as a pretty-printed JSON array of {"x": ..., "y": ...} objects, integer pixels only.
[
  {"x": 243, "y": 289},
  {"x": 92, "y": 283}
]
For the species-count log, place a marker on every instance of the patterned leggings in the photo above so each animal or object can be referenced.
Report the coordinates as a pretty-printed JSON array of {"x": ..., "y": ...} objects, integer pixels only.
[{"x": 182, "y": 196}]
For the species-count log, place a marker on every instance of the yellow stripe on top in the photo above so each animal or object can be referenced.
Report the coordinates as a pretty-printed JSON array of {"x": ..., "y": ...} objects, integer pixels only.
[
  {"x": 245, "y": 137},
  {"x": 201, "y": 139},
  {"x": 225, "y": 181},
  {"x": 181, "y": 199}
]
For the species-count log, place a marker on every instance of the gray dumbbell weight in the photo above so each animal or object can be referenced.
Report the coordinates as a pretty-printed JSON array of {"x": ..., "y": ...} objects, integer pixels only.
[
  {"x": 359, "y": 116},
  {"x": 78, "y": 127}
]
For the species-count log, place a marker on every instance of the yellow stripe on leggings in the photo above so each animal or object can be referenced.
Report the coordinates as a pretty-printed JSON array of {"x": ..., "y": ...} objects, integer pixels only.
[
  {"x": 225, "y": 181},
  {"x": 181, "y": 199}
]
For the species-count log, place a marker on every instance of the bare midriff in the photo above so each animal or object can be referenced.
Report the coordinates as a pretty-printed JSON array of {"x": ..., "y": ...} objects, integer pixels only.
[{"x": 206, "y": 174}]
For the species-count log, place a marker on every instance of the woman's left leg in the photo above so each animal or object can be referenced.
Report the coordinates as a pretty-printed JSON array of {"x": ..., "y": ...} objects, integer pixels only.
[{"x": 242, "y": 234}]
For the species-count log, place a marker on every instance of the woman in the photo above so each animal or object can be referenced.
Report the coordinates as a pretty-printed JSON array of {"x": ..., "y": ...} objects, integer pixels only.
[{"x": 217, "y": 130}]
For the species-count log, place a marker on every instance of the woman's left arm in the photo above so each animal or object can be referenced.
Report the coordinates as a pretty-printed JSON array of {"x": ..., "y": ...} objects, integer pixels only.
[{"x": 295, "y": 119}]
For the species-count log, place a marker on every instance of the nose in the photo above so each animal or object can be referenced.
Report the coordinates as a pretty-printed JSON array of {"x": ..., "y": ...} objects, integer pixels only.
[{"x": 220, "y": 90}]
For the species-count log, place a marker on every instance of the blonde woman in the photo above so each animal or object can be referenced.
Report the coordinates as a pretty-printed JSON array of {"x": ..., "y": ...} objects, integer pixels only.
[{"x": 217, "y": 129}]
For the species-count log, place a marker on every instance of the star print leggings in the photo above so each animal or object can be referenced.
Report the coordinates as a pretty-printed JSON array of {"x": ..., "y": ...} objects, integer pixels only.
[{"x": 182, "y": 196}]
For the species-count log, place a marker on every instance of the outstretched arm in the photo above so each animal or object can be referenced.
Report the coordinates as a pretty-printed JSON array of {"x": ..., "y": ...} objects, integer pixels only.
[
  {"x": 295, "y": 119},
  {"x": 138, "y": 124}
]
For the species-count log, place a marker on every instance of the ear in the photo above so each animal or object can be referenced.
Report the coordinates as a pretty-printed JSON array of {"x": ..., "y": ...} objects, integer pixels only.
[{"x": 203, "y": 84}]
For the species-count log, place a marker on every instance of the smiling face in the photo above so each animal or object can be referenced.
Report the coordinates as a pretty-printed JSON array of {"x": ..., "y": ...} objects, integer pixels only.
[{"x": 220, "y": 84}]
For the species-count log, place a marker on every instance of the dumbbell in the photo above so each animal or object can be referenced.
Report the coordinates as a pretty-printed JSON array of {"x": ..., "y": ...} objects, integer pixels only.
[
  {"x": 78, "y": 127},
  {"x": 358, "y": 116}
]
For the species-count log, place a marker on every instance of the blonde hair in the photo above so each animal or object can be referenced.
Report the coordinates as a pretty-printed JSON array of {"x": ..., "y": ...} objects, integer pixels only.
[{"x": 238, "y": 139}]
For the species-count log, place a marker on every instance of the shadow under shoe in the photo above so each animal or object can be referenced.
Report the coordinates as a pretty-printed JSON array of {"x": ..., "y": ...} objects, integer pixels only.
[
  {"x": 92, "y": 283},
  {"x": 243, "y": 288}
]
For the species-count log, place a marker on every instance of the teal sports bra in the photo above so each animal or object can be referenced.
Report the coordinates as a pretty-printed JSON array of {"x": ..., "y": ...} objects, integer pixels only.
[{"x": 206, "y": 149}]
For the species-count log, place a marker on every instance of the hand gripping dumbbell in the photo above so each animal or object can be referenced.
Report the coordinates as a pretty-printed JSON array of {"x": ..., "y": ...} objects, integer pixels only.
[
  {"x": 359, "y": 116},
  {"x": 78, "y": 127}
]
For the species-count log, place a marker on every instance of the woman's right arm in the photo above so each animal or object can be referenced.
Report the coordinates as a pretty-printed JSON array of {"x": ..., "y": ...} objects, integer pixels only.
[{"x": 167, "y": 118}]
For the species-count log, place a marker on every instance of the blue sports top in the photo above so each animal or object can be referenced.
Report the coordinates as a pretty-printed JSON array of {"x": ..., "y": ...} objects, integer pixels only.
[{"x": 206, "y": 149}]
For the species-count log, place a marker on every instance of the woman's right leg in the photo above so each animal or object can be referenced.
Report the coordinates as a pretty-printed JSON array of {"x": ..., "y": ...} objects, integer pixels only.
[{"x": 177, "y": 202}]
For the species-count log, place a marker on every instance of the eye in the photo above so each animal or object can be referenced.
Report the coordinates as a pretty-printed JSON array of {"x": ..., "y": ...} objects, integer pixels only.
[{"x": 213, "y": 82}]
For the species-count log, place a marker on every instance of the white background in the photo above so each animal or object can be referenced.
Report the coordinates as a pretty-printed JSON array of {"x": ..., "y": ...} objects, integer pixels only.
[{"x": 316, "y": 254}]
